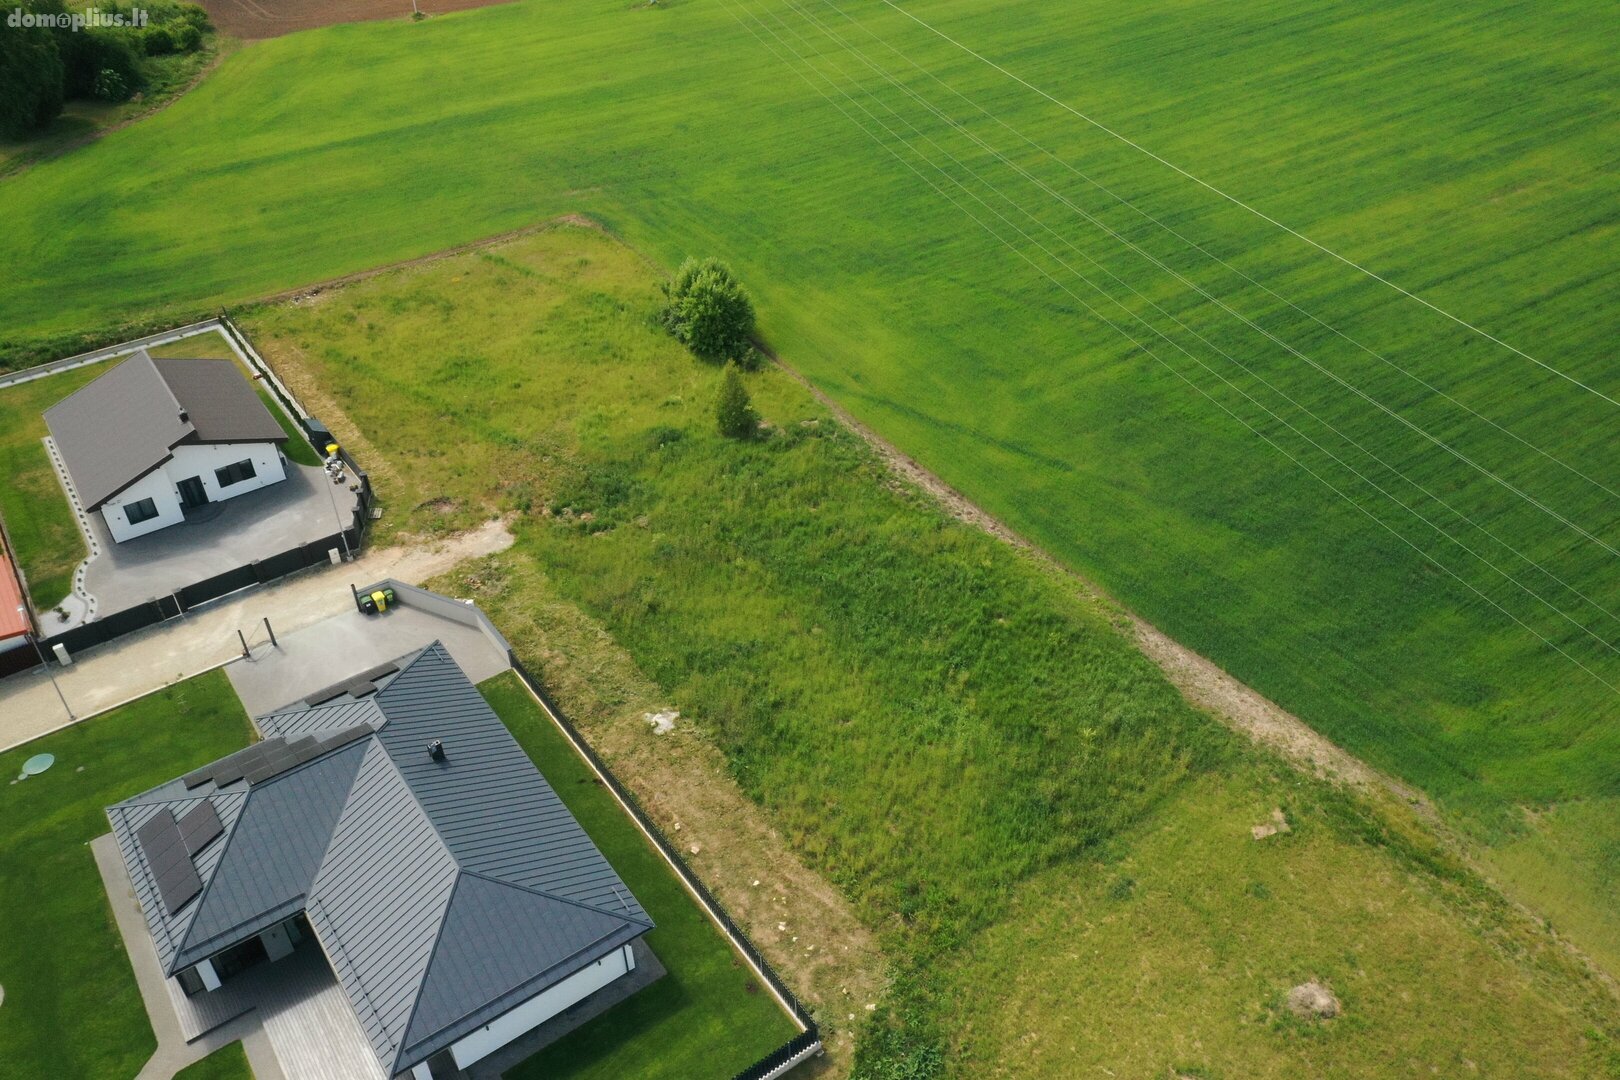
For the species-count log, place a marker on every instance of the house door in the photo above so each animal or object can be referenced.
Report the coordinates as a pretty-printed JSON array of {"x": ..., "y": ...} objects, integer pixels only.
[{"x": 192, "y": 492}]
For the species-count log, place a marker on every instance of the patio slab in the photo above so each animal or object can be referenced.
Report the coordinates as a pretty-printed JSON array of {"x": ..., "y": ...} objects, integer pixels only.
[
  {"x": 335, "y": 648},
  {"x": 302, "y": 509}
]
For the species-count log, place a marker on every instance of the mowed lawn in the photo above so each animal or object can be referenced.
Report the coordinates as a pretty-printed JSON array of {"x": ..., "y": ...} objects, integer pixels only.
[
  {"x": 35, "y": 510},
  {"x": 1437, "y": 597},
  {"x": 936, "y": 725},
  {"x": 64, "y": 968},
  {"x": 62, "y": 962}
]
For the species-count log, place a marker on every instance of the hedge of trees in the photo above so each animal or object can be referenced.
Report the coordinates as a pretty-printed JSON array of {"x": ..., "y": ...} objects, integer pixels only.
[{"x": 41, "y": 66}]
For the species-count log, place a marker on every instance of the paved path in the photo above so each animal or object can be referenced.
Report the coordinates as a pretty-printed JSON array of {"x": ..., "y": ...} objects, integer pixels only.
[
  {"x": 173, "y": 1052},
  {"x": 128, "y": 667}
]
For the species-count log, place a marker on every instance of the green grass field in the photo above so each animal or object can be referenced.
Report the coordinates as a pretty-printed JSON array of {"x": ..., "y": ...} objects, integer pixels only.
[
  {"x": 707, "y": 1017},
  {"x": 61, "y": 960},
  {"x": 936, "y": 725},
  {"x": 1462, "y": 153},
  {"x": 36, "y": 512}
]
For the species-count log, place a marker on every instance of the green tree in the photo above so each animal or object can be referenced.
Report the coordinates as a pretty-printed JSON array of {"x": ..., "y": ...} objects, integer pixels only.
[
  {"x": 709, "y": 311},
  {"x": 30, "y": 79},
  {"x": 735, "y": 412}
]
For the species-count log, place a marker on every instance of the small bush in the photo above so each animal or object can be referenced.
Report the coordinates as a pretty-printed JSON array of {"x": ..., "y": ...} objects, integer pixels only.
[
  {"x": 735, "y": 412},
  {"x": 193, "y": 15},
  {"x": 110, "y": 86},
  {"x": 158, "y": 41},
  {"x": 709, "y": 311},
  {"x": 187, "y": 38}
]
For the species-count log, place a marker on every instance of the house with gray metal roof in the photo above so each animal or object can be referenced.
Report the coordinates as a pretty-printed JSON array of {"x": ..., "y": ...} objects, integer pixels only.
[
  {"x": 397, "y": 822},
  {"x": 153, "y": 439}
]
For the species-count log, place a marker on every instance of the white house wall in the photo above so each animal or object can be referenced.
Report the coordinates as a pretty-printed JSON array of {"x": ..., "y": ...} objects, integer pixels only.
[
  {"x": 540, "y": 1008},
  {"x": 156, "y": 486},
  {"x": 202, "y": 461}
]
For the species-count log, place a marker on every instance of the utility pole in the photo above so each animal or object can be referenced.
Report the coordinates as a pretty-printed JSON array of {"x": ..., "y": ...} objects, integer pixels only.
[{"x": 40, "y": 652}]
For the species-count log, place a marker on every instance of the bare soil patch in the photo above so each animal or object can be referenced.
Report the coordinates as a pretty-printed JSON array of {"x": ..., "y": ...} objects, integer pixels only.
[{"x": 255, "y": 19}]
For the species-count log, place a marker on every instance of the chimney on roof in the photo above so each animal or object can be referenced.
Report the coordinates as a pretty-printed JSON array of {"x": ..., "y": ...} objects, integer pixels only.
[{"x": 436, "y": 750}]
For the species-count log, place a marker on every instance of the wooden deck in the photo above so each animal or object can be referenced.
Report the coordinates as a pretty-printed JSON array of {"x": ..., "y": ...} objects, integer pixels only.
[
  {"x": 310, "y": 1022},
  {"x": 302, "y": 1009}
]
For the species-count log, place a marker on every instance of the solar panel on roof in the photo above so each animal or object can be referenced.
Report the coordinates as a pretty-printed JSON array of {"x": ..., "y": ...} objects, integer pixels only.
[
  {"x": 362, "y": 685},
  {"x": 200, "y": 826},
  {"x": 169, "y": 861},
  {"x": 344, "y": 737},
  {"x": 157, "y": 825},
  {"x": 178, "y": 885}
]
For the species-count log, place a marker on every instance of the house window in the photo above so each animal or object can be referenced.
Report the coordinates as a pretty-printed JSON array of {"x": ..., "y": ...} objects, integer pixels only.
[
  {"x": 142, "y": 510},
  {"x": 235, "y": 474}
]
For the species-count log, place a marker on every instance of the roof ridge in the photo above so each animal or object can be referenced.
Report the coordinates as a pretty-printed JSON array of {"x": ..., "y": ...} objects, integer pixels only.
[
  {"x": 405, "y": 667},
  {"x": 427, "y": 971},
  {"x": 241, "y": 814},
  {"x": 168, "y": 388},
  {"x": 421, "y": 984},
  {"x": 626, "y": 916},
  {"x": 208, "y": 886}
]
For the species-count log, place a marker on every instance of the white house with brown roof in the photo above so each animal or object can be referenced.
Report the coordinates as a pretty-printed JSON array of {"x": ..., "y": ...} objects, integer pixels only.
[{"x": 154, "y": 438}]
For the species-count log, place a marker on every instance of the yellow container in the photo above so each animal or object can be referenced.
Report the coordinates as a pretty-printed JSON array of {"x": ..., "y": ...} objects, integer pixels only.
[{"x": 380, "y": 600}]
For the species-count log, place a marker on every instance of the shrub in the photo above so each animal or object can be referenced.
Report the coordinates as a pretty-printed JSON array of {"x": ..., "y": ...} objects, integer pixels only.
[
  {"x": 709, "y": 311},
  {"x": 88, "y": 53},
  {"x": 735, "y": 413},
  {"x": 110, "y": 86},
  {"x": 30, "y": 80},
  {"x": 187, "y": 38},
  {"x": 158, "y": 41},
  {"x": 194, "y": 16}
]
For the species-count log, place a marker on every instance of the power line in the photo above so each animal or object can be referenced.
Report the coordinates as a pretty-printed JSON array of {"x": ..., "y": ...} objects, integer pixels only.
[
  {"x": 1194, "y": 245},
  {"x": 951, "y": 122},
  {"x": 1139, "y": 345},
  {"x": 1235, "y": 201}
]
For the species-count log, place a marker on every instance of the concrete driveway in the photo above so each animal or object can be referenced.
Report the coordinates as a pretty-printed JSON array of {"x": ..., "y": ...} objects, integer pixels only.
[
  {"x": 139, "y": 663},
  {"x": 222, "y": 536}
]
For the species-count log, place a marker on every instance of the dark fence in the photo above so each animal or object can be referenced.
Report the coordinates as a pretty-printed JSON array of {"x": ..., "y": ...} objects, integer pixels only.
[
  {"x": 800, "y": 1043},
  {"x": 21, "y": 658},
  {"x": 152, "y": 612}
]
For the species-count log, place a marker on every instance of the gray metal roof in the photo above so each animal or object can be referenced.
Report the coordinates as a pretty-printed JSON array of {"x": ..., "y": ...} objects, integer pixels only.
[
  {"x": 118, "y": 428},
  {"x": 444, "y": 892}
]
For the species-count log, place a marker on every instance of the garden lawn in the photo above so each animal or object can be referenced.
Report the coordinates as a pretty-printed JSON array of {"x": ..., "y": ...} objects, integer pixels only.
[
  {"x": 709, "y": 1016},
  {"x": 36, "y": 512},
  {"x": 62, "y": 962},
  {"x": 226, "y": 1063},
  {"x": 1426, "y": 595},
  {"x": 933, "y": 721}
]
